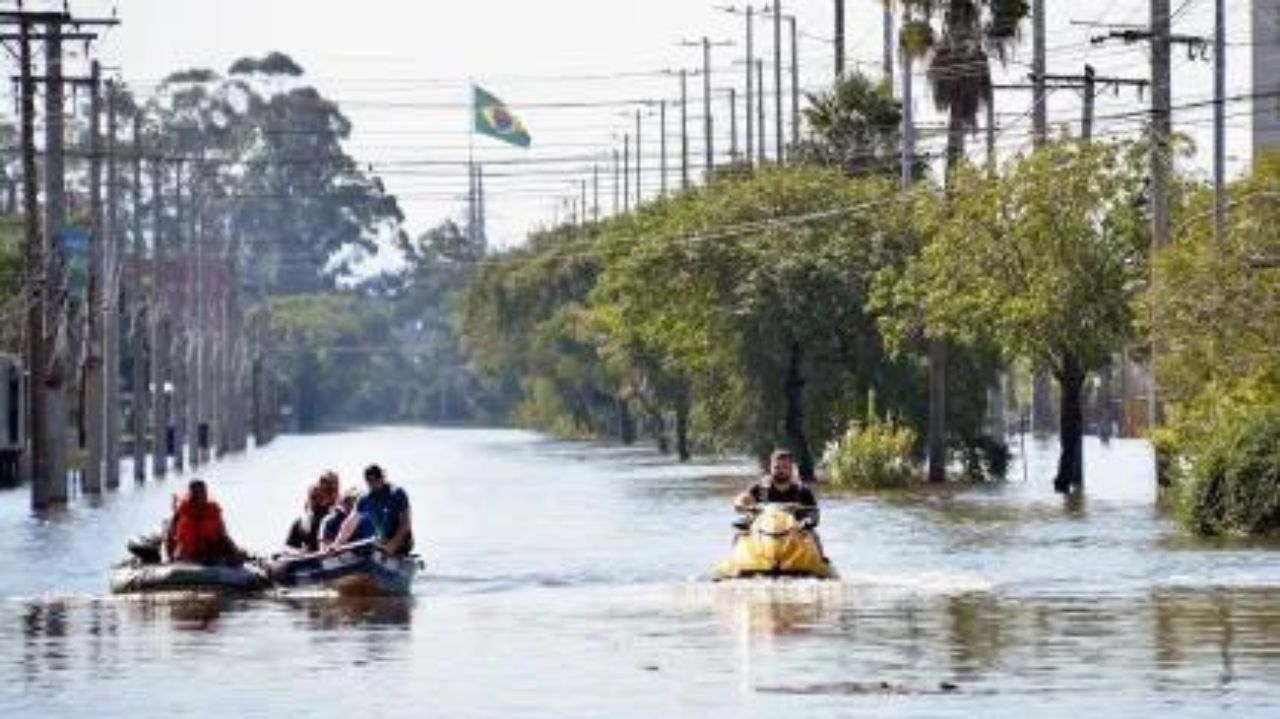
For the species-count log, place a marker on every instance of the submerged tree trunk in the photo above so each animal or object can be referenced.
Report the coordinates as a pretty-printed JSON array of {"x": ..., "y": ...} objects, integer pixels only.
[
  {"x": 1070, "y": 479},
  {"x": 682, "y": 427},
  {"x": 626, "y": 424},
  {"x": 795, "y": 416}
]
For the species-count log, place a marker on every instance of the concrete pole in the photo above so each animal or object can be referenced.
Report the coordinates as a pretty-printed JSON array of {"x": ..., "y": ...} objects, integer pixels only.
[
  {"x": 662, "y": 141},
  {"x": 684, "y": 129},
  {"x": 1040, "y": 108},
  {"x": 733, "y": 125},
  {"x": 779, "y": 149},
  {"x": 761, "y": 151},
  {"x": 1219, "y": 120},
  {"x": 889, "y": 37},
  {"x": 708, "y": 124},
  {"x": 795, "y": 82},
  {"x": 907, "y": 167},
  {"x": 751, "y": 90}
]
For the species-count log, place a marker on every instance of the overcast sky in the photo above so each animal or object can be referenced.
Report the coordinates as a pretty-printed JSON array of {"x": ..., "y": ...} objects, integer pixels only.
[{"x": 401, "y": 70}]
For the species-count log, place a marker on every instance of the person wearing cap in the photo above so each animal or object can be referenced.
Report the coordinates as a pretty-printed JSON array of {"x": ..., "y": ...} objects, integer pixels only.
[
  {"x": 386, "y": 507},
  {"x": 781, "y": 487},
  {"x": 331, "y": 527}
]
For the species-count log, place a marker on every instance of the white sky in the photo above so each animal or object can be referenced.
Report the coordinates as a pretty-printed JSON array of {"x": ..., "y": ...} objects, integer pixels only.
[{"x": 380, "y": 58}]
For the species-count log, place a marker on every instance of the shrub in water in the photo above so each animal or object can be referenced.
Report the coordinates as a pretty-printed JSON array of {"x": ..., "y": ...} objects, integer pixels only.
[
  {"x": 1234, "y": 482},
  {"x": 874, "y": 454}
]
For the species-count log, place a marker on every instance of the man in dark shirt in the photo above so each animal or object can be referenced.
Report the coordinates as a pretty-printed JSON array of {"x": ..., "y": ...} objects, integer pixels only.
[
  {"x": 386, "y": 507},
  {"x": 780, "y": 486}
]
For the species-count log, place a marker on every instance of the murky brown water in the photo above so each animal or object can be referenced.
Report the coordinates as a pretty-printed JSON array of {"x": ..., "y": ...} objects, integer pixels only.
[{"x": 563, "y": 582}]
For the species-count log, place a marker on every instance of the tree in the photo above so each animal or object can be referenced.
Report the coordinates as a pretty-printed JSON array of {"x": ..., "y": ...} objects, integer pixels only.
[
  {"x": 854, "y": 126},
  {"x": 1045, "y": 261}
]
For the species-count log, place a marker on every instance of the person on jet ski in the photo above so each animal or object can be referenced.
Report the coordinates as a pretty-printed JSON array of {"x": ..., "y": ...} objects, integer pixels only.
[{"x": 781, "y": 487}]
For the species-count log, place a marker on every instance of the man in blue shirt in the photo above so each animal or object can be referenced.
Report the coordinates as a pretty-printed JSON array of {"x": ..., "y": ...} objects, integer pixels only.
[{"x": 386, "y": 506}]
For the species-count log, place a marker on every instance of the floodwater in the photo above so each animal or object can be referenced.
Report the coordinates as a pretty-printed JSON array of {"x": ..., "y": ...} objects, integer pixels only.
[{"x": 564, "y": 581}]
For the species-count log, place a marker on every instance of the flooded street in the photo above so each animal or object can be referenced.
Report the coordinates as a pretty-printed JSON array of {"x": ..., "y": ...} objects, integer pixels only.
[{"x": 563, "y": 580}]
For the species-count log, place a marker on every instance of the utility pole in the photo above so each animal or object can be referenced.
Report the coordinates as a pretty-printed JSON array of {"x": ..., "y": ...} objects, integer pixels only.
[
  {"x": 1039, "y": 108},
  {"x": 839, "y": 38},
  {"x": 595, "y": 193},
  {"x": 161, "y": 350},
  {"x": 795, "y": 82},
  {"x": 626, "y": 173},
  {"x": 111, "y": 319},
  {"x": 639, "y": 153},
  {"x": 760, "y": 113},
  {"x": 777, "y": 81},
  {"x": 617, "y": 182},
  {"x": 907, "y": 167},
  {"x": 1219, "y": 120},
  {"x": 751, "y": 68},
  {"x": 38, "y": 462},
  {"x": 1088, "y": 83},
  {"x": 684, "y": 129},
  {"x": 1161, "y": 122},
  {"x": 139, "y": 314},
  {"x": 733, "y": 125},
  {"x": 95, "y": 384},
  {"x": 54, "y": 268},
  {"x": 662, "y": 142},
  {"x": 886, "y": 21}
]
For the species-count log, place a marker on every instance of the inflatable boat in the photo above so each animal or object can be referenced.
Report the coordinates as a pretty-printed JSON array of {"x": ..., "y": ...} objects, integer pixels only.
[
  {"x": 359, "y": 569},
  {"x": 136, "y": 577}
]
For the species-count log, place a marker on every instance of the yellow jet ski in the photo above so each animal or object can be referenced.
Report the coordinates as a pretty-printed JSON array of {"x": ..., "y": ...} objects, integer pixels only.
[{"x": 776, "y": 544}]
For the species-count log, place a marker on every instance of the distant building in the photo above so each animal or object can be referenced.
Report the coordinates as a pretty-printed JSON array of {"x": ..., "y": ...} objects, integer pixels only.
[{"x": 1266, "y": 75}]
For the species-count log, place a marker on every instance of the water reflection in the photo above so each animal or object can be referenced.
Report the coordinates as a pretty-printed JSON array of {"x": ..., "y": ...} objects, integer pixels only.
[{"x": 328, "y": 613}]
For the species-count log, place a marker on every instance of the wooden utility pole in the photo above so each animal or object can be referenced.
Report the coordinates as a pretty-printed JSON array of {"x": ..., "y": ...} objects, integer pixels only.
[
  {"x": 111, "y": 318},
  {"x": 838, "y": 40},
  {"x": 161, "y": 349},
  {"x": 626, "y": 173},
  {"x": 886, "y": 26},
  {"x": 95, "y": 408},
  {"x": 708, "y": 121},
  {"x": 38, "y": 462},
  {"x": 907, "y": 166},
  {"x": 751, "y": 98},
  {"x": 595, "y": 193},
  {"x": 139, "y": 315},
  {"x": 617, "y": 182},
  {"x": 55, "y": 212}
]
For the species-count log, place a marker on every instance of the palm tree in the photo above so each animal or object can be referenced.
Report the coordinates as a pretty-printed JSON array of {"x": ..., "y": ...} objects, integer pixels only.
[
  {"x": 959, "y": 72},
  {"x": 854, "y": 126}
]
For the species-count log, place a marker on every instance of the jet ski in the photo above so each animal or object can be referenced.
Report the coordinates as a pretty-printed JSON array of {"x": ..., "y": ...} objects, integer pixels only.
[
  {"x": 360, "y": 569},
  {"x": 775, "y": 543}
]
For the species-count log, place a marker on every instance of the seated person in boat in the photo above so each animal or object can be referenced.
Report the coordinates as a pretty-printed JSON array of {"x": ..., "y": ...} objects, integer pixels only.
[
  {"x": 196, "y": 532},
  {"x": 304, "y": 533},
  {"x": 781, "y": 487},
  {"x": 386, "y": 507},
  {"x": 331, "y": 527}
]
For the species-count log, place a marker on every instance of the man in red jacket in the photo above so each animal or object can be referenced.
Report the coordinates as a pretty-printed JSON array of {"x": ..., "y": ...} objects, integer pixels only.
[{"x": 197, "y": 534}]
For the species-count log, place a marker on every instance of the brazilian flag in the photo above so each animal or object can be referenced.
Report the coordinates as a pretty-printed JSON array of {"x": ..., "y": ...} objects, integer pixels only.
[{"x": 492, "y": 118}]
